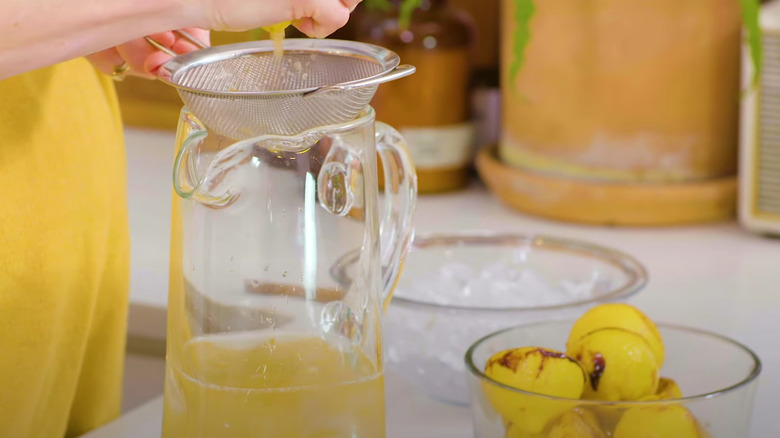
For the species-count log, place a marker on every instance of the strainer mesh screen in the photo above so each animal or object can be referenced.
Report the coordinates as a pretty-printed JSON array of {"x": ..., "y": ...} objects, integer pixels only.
[{"x": 289, "y": 112}]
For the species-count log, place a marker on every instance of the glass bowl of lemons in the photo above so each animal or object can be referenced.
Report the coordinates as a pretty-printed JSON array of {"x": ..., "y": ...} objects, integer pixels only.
[{"x": 611, "y": 373}]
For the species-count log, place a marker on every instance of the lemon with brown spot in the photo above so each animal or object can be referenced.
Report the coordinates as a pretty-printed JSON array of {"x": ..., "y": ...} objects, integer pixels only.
[
  {"x": 535, "y": 370},
  {"x": 619, "y": 315},
  {"x": 620, "y": 365},
  {"x": 663, "y": 421}
]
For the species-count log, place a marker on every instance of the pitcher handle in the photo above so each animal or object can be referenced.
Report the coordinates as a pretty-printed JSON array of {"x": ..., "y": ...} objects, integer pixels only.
[
  {"x": 397, "y": 228},
  {"x": 184, "y": 181},
  {"x": 188, "y": 183}
]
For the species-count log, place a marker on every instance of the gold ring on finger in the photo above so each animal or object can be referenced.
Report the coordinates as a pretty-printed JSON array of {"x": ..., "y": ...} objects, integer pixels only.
[{"x": 119, "y": 72}]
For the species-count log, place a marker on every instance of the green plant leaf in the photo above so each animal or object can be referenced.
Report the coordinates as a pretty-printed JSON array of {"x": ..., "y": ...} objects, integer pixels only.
[
  {"x": 524, "y": 11},
  {"x": 378, "y": 5},
  {"x": 407, "y": 9},
  {"x": 750, "y": 19}
]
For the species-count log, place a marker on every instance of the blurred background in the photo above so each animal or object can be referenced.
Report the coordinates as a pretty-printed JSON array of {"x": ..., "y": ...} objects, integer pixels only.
[{"x": 606, "y": 112}]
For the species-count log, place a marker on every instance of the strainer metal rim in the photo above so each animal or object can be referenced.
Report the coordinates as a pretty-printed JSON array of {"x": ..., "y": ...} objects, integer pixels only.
[{"x": 177, "y": 66}]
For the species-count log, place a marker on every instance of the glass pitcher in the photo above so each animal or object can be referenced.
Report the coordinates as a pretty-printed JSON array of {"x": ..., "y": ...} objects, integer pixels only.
[{"x": 262, "y": 341}]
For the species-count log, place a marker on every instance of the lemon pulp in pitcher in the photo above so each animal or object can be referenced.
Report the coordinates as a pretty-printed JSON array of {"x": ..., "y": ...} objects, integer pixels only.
[{"x": 253, "y": 386}]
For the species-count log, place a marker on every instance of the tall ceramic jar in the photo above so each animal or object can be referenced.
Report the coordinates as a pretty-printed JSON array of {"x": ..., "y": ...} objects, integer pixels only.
[{"x": 623, "y": 94}]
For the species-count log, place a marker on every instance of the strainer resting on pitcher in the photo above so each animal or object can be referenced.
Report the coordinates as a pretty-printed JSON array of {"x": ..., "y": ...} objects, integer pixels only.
[
  {"x": 275, "y": 180},
  {"x": 243, "y": 90}
]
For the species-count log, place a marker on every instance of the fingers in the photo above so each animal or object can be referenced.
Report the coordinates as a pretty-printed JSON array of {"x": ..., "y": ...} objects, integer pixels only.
[
  {"x": 320, "y": 18},
  {"x": 307, "y": 26},
  {"x": 142, "y": 58},
  {"x": 110, "y": 62},
  {"x": 145, "y": 59},
  {"x": 351, "y": 4},
  {"x": 317, "y": 18},
  {"x": 137, "y": 51},
  {"x": 183, "y": 43},
  {"x": 153, "y": 62}
]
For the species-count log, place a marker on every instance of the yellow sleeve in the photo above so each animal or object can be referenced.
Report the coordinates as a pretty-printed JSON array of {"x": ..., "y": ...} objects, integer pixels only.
[{"x": 64, "y": 252}]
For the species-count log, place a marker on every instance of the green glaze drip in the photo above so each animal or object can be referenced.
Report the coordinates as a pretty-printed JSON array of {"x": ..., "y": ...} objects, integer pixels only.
[
  {"x": 750, "y": 16},
  {"x": 378, "y": 5},
  {"x": 524, "y": 11},
  {"x": 407, "y": 9}
]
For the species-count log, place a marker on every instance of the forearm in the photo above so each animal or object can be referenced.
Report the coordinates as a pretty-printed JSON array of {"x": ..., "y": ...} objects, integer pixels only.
[{"x": 37, "y": 33}]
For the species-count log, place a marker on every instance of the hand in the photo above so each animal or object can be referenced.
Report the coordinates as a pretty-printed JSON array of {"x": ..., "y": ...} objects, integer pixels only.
[
  {"x": 142, "y": 58},
  {"x": 316, "y": 18}
]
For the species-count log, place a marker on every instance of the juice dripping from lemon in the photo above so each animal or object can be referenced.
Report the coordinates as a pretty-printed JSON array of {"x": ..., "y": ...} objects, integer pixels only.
[{"x": 276, "y": 33}]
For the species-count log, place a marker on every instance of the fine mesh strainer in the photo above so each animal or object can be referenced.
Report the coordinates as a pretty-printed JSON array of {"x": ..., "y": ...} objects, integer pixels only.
[{"x": 243, "y": 90}]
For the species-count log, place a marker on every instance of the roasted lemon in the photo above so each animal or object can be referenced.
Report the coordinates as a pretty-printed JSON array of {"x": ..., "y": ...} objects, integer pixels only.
[
  {"x": 537, "y": 370},
  {"x": 620, "y": 365},
  {"x": 619, "y": 315}
]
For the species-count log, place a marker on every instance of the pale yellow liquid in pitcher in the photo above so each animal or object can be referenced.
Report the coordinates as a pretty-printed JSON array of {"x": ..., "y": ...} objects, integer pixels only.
[{"x": 243, "y": 386}]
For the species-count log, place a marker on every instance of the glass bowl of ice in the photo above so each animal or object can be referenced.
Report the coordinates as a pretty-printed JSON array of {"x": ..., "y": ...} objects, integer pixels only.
[{"x": 457, "y": 288}]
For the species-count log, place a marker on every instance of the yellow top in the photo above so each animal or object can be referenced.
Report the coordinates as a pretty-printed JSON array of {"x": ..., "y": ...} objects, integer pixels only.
[{"x": 64, "y": 252}]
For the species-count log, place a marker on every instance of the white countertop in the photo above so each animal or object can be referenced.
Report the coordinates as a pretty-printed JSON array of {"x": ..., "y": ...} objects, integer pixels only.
[
  {"x": 409, "y": 414},
  {"x": 716, "y": 277}
]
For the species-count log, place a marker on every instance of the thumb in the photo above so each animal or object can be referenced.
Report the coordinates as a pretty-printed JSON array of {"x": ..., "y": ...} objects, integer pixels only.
[{"x": 322, "y": 21}]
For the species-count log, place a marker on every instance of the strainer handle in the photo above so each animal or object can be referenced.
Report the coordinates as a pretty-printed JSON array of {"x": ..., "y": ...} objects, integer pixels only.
[
  {"x": 397, "y": 227},
  {"x": 390, "y": 75}
]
